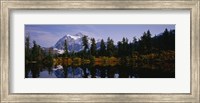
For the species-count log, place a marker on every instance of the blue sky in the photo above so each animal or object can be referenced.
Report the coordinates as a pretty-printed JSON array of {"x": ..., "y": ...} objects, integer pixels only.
[{"x": 48, "y": 35}]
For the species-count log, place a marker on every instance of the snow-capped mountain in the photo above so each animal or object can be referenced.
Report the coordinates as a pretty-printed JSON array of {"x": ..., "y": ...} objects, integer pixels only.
[{"x": 74, "y": 42}]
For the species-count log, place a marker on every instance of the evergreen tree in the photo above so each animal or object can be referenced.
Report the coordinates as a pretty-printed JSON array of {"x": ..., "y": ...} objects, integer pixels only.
[
  {"x": 85, "y": 43},
  {"x": 166, "y": 39},
  {"x": 27, "y": 49},
  {"x": 37, "y": 53},
  {"x": 172, "y": 40},
  {"x": 93, "y": 47},
  {"x": 49, "y": 59},
  {"x": 27, "y": 55},
  {"x": 124, "y": 46},
  {"x": 134, "y": 40},
  {"x": 145, "y": 43},
  {"x": 110, "y": 47},
  {"x": 34, "y": 51},
  {"x": 149, "y": 41},
  {"x": 102, "y": 48},
  {"x": 134, "y": 45},
  {"x": 66, "y": 48},
  {"x": 120, "y": 48},
  {"x": 40, "y": 55}
]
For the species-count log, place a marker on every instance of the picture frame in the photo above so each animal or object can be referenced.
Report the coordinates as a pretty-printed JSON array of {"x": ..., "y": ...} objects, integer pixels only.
[{"x": 7, "y": 6}]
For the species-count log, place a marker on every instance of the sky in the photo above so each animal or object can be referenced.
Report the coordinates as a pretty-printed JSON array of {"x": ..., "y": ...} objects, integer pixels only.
[{"x": 48, "y": 35}]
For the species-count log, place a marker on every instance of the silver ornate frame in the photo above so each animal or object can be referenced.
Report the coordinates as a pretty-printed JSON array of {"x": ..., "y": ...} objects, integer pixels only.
[{"x": 8, "y": 5}]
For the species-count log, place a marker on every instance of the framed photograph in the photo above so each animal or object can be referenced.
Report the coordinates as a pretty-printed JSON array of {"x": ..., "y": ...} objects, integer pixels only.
[{"x": 100, "y": 51}]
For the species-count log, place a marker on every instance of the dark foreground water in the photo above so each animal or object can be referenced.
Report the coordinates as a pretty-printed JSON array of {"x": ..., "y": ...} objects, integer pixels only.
[{"x": 161, "y": 70}]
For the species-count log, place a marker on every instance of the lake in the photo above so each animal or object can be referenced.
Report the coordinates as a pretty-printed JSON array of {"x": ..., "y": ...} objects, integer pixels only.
[{"x": 137, "y": 70}]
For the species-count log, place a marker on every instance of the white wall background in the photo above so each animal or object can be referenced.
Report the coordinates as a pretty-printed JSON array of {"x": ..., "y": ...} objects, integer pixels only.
[{"x": 180, "y": 84}]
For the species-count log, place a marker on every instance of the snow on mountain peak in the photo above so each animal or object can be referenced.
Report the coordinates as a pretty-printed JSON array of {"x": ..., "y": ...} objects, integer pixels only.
[
  {"x": 74, "y": 42},
  {"x": 75, "y": 36},
  {"x": 79, "y": 34}
]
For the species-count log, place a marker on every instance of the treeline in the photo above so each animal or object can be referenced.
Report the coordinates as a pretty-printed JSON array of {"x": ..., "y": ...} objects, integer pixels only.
[
  {"x": 36, "y": 54},
  {"x": 146, "y": 44},
  {"x": 145, "y": 48}
]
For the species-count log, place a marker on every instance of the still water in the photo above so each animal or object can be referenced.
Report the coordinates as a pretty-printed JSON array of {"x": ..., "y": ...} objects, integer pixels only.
[{"x": 163, "y": 70}]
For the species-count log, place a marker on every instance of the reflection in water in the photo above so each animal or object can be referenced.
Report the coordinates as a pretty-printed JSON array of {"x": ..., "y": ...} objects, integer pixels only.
[{"x": 162, "y": 70}]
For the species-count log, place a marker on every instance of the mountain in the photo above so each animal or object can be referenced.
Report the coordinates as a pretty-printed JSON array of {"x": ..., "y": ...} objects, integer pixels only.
[{"x": 74, "y": 42}]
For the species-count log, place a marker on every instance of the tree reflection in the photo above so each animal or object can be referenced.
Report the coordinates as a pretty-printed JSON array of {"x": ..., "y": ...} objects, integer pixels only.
[{"x": 136, "y": 70}]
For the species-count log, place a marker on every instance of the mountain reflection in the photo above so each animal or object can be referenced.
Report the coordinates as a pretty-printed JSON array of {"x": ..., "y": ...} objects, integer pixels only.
[{"x": 161, "y": 70}]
